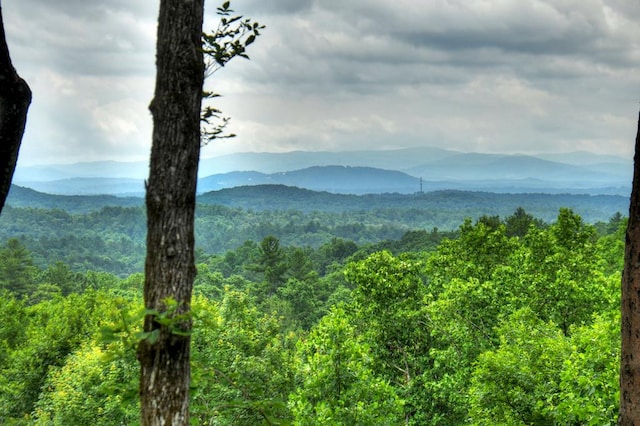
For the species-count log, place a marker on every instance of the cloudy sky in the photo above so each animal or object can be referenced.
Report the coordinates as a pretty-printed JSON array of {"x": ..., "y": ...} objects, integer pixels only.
[{"x": 525, "y": 76}]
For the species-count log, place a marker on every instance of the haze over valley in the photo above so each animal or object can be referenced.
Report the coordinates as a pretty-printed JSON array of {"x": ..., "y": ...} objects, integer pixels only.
[{"x": 403, "y": 171}]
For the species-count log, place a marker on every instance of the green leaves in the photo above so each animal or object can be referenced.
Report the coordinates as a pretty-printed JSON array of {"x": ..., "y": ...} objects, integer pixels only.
[
  {"x": 224, "y": 9},
  {"x": 540, "y": 376},
  {"x": 241, "y": 363},
  {"x": 173, "y": 318},
  {"x": 338, "y": 384},
  {"x": 489, "y": 329},
  {"x": 230, "y": 39}
]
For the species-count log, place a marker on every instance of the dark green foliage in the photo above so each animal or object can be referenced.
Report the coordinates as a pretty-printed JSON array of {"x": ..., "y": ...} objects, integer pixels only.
[
  {"x": 62, "y": 277},
  {"x": 271, "y": 263},
  {"x": 442, "y": 209},
  {"x": 334, "y": 252},
  {"x": 229, "y": 40},
  {"x": 518, "y": 224},
  {"x": 111, "y": 239},
  {"x": 17, "y": 272},
  {"x": 242, "y": 363},
  {"x": 415, "y": 241}
]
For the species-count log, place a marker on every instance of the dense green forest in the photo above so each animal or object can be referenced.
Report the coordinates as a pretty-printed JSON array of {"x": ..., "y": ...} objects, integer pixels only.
[
  {"x": 107, "y": 234},
  {"x": 509, "y": 319}
]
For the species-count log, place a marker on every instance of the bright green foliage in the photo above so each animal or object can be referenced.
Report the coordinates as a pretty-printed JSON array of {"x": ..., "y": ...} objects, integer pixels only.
[
  {"x": 476, "y": 253},
  {"x": 13, "y": 318},
  {"x": 518, "y": 382},
  {"x": 464, "y": 305},
  {"x": 557, "y": 274},
  {"x": 570, "y": 231},
  {"x": 88, "y": 390},
  {"x": 208, "y": 282},
  {"x": 589, "y": 388},
  {"x": 483, "y": 277},
  {"x": 462, "y": 322},
  {"x": 390, "y": 309},
  {"x": 538, "y": 375},
  {"x": 241, "y": 363},
  {"x": 611, "y": 245},
  {"x": 53, "y": 330},
  {"x": 500, "y": 325},
  {"x": 337, "y": 385}
]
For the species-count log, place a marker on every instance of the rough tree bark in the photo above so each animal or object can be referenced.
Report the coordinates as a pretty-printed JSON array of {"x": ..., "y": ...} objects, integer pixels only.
[
  {"x": 169, "y": 268},
  {"x": 15, "y": 98},
  {"x": 630, "y": 359}
]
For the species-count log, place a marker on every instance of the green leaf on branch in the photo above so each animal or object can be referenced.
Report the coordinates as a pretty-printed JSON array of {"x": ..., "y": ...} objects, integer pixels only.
[{"x": 229, "y": 40}]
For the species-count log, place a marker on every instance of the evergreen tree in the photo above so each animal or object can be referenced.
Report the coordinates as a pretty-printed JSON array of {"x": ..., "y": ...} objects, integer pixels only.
[{"x": 17, "y": 271}]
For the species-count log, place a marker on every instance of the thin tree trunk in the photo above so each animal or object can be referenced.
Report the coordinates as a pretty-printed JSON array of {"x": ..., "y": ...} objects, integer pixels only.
[
  {"x": 15, "y": 98},
  {"x": 630, "y": 359},
  {"x": 170, "y": 199}
]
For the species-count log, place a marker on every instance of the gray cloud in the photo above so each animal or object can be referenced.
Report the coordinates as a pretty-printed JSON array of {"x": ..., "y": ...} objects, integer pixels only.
[
  {"x": 526, "y": 76},
  {"x": 273, "y": 7},
  {"x": 83, "y": 37}
]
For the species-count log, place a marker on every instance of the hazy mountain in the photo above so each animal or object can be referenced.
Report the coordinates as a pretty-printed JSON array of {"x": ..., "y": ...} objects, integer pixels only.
[
  {"x": 263, "y": 162},
  {"x": 583, "y": 158},
  {"x": 359, "y": 172},
  {"x": 339, "y": 179},
  {"x": 89, "y": 186},
  {"x": 495, "y": 166},
  {"x": 399, "y": 159}
]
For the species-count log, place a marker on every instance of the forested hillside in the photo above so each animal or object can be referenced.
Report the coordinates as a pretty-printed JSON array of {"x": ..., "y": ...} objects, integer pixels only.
[
  {"x": 107, "y": 234},
  {"x": 503, "y": 320}
]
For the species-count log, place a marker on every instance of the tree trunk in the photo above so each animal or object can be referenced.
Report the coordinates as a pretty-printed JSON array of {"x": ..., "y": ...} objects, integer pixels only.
[
  {"x": 170, "y": 199},
  {"x": 15, "y": 98},
  {"x": 630, "y": 359}
]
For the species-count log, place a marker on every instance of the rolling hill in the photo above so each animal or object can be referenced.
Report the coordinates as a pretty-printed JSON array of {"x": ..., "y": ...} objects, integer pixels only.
[
  {"x": 450, "y": 204},
  {"x": 458, "y": 204}
]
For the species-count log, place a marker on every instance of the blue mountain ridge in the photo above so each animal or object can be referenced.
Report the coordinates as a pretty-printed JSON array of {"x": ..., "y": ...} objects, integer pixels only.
[{"x": 358, "y": 172}]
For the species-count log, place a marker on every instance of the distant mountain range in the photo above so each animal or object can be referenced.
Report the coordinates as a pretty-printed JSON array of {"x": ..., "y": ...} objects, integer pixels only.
[{"x": 402, "y": 171}]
